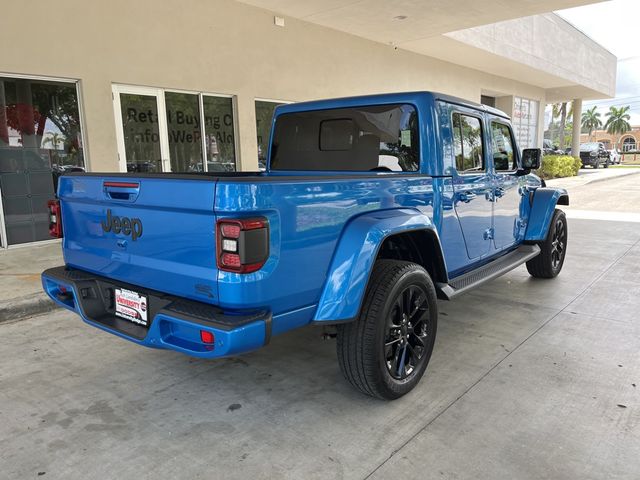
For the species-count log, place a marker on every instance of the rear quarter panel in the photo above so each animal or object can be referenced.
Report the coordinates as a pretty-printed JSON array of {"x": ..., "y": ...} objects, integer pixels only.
[{"x": 306, "y": 220}]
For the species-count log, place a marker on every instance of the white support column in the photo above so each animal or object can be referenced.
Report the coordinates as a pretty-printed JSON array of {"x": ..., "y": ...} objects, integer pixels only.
[
  {"x": 577, "y": 126},
  {"x": 246, "y": 132}
]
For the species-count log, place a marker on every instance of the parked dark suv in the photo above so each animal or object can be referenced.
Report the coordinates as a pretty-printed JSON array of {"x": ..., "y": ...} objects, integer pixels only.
[{"x": 594, "y": 154}]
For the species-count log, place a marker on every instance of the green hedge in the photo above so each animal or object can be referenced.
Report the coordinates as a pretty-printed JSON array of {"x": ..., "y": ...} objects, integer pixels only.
[{"x": 556, "y": 166}]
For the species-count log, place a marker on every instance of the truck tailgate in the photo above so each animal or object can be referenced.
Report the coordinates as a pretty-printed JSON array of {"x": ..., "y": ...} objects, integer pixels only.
[{"x": 151, "y": 231}]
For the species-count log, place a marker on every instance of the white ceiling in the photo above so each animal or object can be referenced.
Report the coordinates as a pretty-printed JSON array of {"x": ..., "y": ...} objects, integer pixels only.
[{"x": 376, "y": 19}]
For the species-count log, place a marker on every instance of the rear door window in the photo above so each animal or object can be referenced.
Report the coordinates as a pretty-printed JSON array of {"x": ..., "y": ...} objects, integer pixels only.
[
  {"x": 468, "y": 144},
  {"x": 369, "y": 138},
  {"x": 504, "y": 158}
]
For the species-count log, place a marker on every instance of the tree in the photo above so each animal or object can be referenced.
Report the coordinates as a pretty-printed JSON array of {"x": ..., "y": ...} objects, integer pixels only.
[
  {"x": 591, "y": 120},
  {"x": 561, "y": 110},
  {"x": 618, "y": 120}
]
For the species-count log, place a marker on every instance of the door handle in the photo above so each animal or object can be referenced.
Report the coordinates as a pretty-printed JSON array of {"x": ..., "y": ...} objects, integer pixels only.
[
  {"x": 127, "y": 191},
  {"x": 466, "y": 197}
]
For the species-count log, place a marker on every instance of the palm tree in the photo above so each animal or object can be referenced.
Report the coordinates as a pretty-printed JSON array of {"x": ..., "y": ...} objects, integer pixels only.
[
  {"x": 618, "y": 120},
  {"x": 591, "y": 120},
  {"x": 560, "y": 109}
]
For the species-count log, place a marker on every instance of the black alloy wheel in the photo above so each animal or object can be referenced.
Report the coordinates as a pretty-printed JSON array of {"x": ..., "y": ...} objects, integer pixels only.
[
  {"x": 385, "y": 351},
  {"x": 407, "y": 333},
  {"x": 553, "y": 249},
  {"x": 558, "y": 243}
]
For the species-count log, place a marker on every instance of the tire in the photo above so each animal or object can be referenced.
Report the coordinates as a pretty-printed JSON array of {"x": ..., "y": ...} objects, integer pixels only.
[
  {"x": 386, "y": 350},
  {"x": 553, "y": 249},
  {"x": 606, "y": 164},
  {"x": 597, "y": 164}
]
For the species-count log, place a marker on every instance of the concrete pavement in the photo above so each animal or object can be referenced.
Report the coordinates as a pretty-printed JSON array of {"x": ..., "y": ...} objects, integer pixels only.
[
  {"x": 617, "y": 199},
  {"x": 529, "y": 379},
  {"x": 21, "y": 292}
]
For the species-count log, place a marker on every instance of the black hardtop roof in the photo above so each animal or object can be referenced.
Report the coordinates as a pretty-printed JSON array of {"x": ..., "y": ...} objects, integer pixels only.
[{"x": 330, "y": 103}]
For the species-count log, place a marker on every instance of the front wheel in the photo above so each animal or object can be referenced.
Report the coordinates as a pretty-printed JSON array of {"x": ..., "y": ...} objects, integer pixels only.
[
  {"x": 606, "y": 164},
  {"x": 597, "y": 164},
  {"x": 552, "y": 250},
  {"x": 385, "y": 352}
]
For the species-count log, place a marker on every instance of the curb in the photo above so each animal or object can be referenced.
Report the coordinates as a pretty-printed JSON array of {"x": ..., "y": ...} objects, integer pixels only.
[
  {"x": 22, "y": 308},
  {"x": 596, "y": 180}
]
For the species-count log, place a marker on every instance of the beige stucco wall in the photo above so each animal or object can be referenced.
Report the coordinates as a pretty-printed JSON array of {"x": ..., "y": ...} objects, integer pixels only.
[{"x": 215, "y": 46}]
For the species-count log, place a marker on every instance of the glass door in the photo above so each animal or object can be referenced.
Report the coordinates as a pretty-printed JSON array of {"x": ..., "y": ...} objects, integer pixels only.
[
  {"x": 40, "y": 139},
  {"x": 141, "y": 129}
]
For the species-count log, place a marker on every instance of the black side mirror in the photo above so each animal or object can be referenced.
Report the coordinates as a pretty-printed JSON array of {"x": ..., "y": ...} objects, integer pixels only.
[{"x": 531, "y": 158}]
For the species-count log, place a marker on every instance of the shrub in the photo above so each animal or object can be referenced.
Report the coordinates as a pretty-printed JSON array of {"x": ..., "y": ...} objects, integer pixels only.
[{"x": 556, "y": 166}]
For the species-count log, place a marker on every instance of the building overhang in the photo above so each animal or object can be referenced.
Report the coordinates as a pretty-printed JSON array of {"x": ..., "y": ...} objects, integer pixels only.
[{"x": 518, "y": 40}]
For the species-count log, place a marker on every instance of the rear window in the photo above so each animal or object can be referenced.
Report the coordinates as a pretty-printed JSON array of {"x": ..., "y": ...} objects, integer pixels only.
[{"x": 371, "y": 138}]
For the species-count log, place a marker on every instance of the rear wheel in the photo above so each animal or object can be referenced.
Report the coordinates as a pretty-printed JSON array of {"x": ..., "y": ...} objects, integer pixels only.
[
  {"x": 552, "y": 251},
  {"x": 385, "y": 352}
]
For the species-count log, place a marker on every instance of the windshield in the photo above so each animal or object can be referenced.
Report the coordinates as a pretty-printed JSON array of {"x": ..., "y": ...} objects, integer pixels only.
[
  {"x": 369, "y": 138},
  {"x": 589, "y": 146}
]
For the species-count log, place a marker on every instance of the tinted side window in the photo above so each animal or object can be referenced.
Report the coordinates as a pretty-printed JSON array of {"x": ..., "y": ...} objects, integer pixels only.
[
  {"x": 368, "y": 138},
  {"x": 467, "y": 142},
  {"x": 502, "y": 142}
]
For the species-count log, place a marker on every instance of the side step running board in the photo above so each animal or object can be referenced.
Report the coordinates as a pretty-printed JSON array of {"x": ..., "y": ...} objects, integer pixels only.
[{"x": 491, "y": 270}]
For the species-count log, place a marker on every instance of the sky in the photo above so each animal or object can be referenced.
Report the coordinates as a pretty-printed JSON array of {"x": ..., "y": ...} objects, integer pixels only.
[{"x": 614, "y": 25}]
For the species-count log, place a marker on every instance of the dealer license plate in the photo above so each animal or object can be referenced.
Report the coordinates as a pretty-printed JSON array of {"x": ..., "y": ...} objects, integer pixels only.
[{"x": 132, "y": 306}]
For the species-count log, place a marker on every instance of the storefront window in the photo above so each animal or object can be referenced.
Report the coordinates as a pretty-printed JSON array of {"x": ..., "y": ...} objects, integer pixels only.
[
  {"x": 264, "y": 116},
  {"x": 169, "y": 131},
  {"x": 185, "y": 138},
  {"x": 40, "y": 138},
  {"x": 219, "y": 138},
  {"x": 141, "y": 132},
  {"x": 525, "y": 122}
]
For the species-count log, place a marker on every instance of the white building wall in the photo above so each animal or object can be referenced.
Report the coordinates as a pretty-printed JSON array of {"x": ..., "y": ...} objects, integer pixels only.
[{"x": 547, "y": 44}]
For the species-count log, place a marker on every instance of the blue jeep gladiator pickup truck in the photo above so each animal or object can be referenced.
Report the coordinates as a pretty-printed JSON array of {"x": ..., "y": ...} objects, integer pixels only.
[{"x": 369, "y": 210}]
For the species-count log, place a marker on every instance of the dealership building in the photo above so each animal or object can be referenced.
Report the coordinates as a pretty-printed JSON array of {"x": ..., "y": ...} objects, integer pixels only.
[{"x": 190, "y": 86}]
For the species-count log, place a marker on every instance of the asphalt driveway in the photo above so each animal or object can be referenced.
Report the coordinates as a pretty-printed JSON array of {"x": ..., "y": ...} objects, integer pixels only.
[{"x": 529, "y": 379}]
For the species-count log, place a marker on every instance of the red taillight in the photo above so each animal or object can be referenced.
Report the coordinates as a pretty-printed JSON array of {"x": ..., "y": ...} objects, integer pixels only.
[
  {"x": 231, "y": 260},
  {"x": 242, "y": 244},
  {"x": 230, "y": 230},
  {"x": 207, "y": 337},
  {"x": 55, "y": 218}
]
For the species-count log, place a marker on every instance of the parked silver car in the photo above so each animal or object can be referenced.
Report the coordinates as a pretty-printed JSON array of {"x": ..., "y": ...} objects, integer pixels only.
[{"x": 615, "y": 157}]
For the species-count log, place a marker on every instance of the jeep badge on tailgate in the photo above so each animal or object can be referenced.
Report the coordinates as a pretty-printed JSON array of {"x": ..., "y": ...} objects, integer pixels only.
[{"x": 124, "y": 225}]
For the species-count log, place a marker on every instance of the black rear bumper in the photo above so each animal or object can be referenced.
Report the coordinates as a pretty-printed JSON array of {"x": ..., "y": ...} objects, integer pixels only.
[{"x": 170, "y": 317}]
